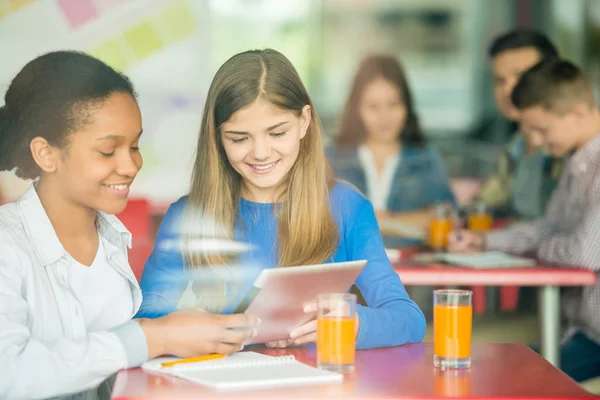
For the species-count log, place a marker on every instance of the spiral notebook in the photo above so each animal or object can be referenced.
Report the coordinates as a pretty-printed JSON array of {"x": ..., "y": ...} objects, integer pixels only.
[{"x": 246, "y": 370}]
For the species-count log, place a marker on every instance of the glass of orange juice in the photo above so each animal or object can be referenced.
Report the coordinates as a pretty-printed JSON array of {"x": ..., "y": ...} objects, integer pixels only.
[
  {"x": 452, "y": 323},
  {"x": 480, "y": 219},
  {"x": 336, "y": 331},
  {"x": 440, "y": 226}
]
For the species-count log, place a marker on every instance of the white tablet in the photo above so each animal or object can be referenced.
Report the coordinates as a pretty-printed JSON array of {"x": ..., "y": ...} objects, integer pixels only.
[{"x": 279, "y": 295}]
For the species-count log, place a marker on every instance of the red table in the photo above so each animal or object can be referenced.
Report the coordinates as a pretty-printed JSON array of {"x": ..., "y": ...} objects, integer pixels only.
[
  {"x": 499, "y": 371},
  {"x": 548, "y": 278}
]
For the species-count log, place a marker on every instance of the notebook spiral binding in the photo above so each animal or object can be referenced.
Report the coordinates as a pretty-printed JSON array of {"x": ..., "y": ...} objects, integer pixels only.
[{"x": 224, "y": 363}]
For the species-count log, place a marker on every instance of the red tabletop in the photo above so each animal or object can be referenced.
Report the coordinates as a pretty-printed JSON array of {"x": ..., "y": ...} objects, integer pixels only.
[
  {"x": 498, "y": 371},
  {"x": 415, "y": 273},
  {"x": 442, "y": 275}
]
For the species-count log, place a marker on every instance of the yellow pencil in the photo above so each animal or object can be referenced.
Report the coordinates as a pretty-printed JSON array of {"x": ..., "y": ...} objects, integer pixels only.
[{"x": 193, "y": 359}]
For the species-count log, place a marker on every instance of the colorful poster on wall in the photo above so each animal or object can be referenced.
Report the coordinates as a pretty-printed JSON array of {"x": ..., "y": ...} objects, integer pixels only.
[{"x": 162, "y": 45}]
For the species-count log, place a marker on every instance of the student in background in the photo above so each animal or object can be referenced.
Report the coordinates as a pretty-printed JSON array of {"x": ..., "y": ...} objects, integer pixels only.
[
  {"x": 526, "y": 174},
  {"x": 381, "y": 148},
  {"x": 555, "y": 100},
  {"x": 261, "y": 174},
  {"x": 67, "y": 293}
]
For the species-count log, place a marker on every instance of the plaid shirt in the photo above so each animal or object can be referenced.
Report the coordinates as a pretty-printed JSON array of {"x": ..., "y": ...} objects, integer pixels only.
[{"x": 568, "y": 234}]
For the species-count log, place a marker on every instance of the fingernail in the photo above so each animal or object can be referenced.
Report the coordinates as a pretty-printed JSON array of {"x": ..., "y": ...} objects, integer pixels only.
[
  {"x": 241, "y": 348},
  {"x": 306, "y": 308},
  {"x": 254, "y": 333},
  {"x": 293, "y": 335}
]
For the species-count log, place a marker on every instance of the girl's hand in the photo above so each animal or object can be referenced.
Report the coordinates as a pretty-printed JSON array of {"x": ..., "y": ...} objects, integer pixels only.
[
  {"x": 307, "y": 333},
  {"x": 192, "y": 333}
]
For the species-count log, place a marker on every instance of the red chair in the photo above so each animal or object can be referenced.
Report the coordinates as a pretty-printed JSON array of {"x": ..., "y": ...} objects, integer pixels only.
[
  {"x": 509, "y": 298},
  {"x": 136, "y": 218},
  {"x": 479, "y": 299}
]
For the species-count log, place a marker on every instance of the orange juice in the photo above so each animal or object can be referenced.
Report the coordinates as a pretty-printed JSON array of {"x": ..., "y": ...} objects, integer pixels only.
[
  {"x": 438, "y": 233},
  {"x": 452, "y": 330},
  {"x": 480, "y": 222},
  {"x": 336, "y": 340}
]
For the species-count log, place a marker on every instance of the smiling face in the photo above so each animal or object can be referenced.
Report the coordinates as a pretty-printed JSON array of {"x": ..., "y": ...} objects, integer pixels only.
[
  {"x": 102, "y": 158},
  {"x": 508, "y": 67},
  {"x": 558, "y": 133},
  {"x": 262, "y": 143}
]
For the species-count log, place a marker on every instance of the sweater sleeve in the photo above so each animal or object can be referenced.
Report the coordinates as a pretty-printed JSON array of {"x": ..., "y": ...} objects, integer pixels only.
[
  {"x": 164, "y": 278},
  {"x": 390, "y": 318}
]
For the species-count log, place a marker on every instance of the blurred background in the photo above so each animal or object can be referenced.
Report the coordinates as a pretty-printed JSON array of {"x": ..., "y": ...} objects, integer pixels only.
[{"x": 172, "y": 48}]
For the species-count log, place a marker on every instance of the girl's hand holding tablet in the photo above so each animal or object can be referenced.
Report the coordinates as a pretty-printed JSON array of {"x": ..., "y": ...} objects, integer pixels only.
[{"x": 306, "y": 333}]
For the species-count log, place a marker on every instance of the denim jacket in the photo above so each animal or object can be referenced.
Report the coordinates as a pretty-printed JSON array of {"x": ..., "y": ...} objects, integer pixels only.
[{"x": 420, "y": 179}]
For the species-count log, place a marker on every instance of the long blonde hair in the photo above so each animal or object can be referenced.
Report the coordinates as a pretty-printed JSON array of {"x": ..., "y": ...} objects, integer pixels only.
[{"x": 307, "y": 232}]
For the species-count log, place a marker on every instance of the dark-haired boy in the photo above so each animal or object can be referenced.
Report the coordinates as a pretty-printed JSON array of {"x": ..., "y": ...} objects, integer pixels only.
[{"x": 526, "y": 175}]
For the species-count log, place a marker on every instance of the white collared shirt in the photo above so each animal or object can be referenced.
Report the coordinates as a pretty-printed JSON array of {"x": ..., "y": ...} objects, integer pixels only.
[
  {"x": 46, "y": 349},
  {"x": 378, "y": 185}
]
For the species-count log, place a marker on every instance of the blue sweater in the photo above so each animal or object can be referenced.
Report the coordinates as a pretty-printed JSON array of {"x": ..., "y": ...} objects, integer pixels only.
[{"x": 391, "y": 317}]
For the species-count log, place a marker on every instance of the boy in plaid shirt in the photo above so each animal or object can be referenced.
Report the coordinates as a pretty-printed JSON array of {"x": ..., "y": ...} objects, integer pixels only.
[{"x": 556, "y": 102}]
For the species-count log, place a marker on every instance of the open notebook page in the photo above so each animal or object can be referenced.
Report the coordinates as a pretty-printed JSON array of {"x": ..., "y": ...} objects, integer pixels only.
[
  {"x": 247, "y": 370},
  {"x": 487, "y": 259}
]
